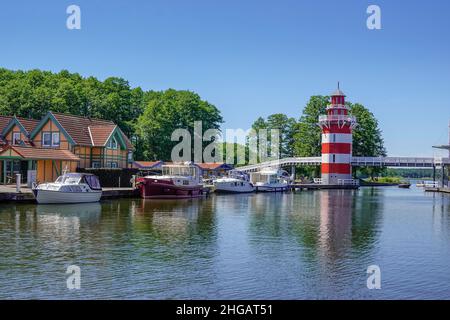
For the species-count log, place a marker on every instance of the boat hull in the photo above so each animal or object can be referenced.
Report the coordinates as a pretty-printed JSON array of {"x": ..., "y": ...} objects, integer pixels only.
[
  {"x": 150, "y": 189},
  {"x": 225, "y": 189},
  {"x": 272, "y": 188},
  {"x": 53, "y": 197}
]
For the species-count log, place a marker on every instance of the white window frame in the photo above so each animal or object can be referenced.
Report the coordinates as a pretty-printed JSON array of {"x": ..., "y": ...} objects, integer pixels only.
[
  {"x": 96, "y": 164},
  {"x": 43, "y": 139},
  {"x": 113, "y": 165},
  {"x": 15, "y": 140},
  {"x": 56, "y": 134},
  {"x": 113, "y": 143}
]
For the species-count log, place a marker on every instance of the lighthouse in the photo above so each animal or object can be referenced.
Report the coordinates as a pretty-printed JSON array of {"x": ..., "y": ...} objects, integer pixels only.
[{"x": 337, "y": 126}]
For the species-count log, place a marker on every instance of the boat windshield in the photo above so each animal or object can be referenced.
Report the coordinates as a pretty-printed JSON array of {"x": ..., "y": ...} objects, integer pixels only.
[
  {"x": 69, "y": 179},
  {"x": 178, "y": 171}
]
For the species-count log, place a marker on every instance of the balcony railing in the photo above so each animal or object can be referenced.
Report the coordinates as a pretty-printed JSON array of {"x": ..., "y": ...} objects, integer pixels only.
[
  {"x": 339, "y": 106},
  {"x": 337, "y": 117}
]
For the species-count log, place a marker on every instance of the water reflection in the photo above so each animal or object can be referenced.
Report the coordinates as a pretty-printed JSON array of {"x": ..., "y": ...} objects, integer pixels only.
[{"x": 311, "y": 244}]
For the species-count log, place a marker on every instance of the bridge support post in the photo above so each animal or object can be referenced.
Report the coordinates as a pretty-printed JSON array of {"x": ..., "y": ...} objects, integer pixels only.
[
  {"x": 434, "y": 174},
  {"x": 293, "y": 173}
]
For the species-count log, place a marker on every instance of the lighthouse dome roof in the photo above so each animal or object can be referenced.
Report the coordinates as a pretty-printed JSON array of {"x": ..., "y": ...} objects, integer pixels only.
[{"x": 338, "y": 92}]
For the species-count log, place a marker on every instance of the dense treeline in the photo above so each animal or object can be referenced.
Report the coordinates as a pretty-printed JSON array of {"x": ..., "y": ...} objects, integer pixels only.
[{"x": 147, "y": 117}]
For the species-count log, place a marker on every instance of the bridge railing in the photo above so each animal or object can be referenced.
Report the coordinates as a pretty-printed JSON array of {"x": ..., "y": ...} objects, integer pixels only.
[
  {"x": 357, "y": 161},
  {"x": 283, "y": 162},
  {"x": 394, "y": 161}
]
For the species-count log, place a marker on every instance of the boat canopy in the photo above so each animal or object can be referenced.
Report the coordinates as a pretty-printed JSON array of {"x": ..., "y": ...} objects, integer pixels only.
[
  {"x": 77, "y": 178},
  {"x": 93, "y": 181}
]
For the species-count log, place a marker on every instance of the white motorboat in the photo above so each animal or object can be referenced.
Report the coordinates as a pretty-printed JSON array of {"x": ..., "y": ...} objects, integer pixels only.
[
  {"x": 69, "y": 188},
  {"x": 271, "y": 180},
  {"x": 236, "y": 182}
]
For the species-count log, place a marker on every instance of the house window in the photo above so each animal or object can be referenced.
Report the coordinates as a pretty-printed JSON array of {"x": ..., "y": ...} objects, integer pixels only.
[
  {"x": 112, "y": 143},
  {"x": 55, "y": 139},
  {"x": 16, "y": 138},
  {"x": 50, "y": 139},
  {"x": 96, "y": 164},
  {"x": 47, "y": 139},
  {"x": 113, "y": 165}
]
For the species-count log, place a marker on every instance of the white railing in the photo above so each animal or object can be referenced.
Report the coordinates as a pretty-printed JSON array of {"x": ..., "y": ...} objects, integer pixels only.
[
  {"x": 340, "y": 106},
  {"x": 282, "y": 162},
  {"x": 431, "y": 184},
  {"x": 348, "y": 182},
  {"x": 357, "y": 161},
  {"x": 337, "y": 117},
  {"x": 394, "y": 161}
]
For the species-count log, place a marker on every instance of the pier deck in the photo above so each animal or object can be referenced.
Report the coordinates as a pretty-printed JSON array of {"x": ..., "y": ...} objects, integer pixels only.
[{"x": 443, "y": 190}]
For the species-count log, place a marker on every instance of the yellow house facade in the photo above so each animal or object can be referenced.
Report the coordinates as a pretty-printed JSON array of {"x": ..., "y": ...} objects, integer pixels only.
[{"x": 60, "y": 142}]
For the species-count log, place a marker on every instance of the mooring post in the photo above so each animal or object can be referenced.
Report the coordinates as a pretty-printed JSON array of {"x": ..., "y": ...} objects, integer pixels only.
[{"x": 18, "y": 182}]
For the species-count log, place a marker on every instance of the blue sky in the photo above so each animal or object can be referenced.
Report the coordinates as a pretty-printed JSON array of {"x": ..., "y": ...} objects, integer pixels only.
[{"x": 254, "y": 58}]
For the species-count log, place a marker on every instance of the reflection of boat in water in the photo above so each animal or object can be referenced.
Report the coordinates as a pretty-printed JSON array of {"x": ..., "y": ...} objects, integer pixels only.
[
  {"x": 271, "y": 180},
  {"x": 236, "y": 182},
  {"x": 70, "y": 210},
  {"x": 176, "y": 181},
  {"x": 70, "y": 188}
]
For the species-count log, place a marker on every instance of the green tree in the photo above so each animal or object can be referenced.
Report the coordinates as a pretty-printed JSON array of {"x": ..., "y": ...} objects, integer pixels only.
[
  {"x": 169, "y": 110},
  {"x": 367, "y": 137},
  {"x": 287, "y": 127},
  {"x": 308, "y": 134}
]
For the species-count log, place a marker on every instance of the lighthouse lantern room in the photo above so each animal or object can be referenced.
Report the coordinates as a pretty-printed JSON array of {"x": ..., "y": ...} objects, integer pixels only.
[{"x": 337, "y": 127}]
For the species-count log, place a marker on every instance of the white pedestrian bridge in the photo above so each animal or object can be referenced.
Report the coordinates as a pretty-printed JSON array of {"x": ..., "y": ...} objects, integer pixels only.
[{"x": 399, "y": 162}]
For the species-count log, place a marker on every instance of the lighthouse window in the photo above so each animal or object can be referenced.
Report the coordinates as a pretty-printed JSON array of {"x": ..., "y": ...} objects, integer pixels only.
[{"x": 334, "y": 158}]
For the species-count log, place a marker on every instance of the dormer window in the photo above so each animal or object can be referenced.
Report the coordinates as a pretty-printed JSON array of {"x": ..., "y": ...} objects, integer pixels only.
[
  {"x": 50, "y": 139},
  {"x": 112, "y": 143},
  {"x": 16, "y": 138}
]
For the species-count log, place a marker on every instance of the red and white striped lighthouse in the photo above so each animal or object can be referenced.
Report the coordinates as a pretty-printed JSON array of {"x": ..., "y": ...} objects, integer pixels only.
[{"x": 337, "y": 126}]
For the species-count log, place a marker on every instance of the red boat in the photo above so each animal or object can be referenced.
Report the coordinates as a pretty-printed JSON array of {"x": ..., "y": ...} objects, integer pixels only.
[{"x": 176, "y": 181}]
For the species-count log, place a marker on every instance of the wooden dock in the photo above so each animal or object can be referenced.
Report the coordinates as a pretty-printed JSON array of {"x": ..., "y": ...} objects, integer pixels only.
[
  {"x": 442, "y": 190},
  {"x": 9, "y": 194}
]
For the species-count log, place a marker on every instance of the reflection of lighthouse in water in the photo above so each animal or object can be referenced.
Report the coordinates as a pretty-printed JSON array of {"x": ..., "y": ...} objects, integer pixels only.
[{"x": 335, "y": 221}]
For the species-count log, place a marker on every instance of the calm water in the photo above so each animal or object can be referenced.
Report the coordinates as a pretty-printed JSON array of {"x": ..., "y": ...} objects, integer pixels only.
[{"x": 308, "y": 245}]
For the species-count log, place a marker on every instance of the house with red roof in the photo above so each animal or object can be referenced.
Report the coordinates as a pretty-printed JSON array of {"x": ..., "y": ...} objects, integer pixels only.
[
  {"x": 213, "y": 169},
  {"x": 57, "y": 142}
]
